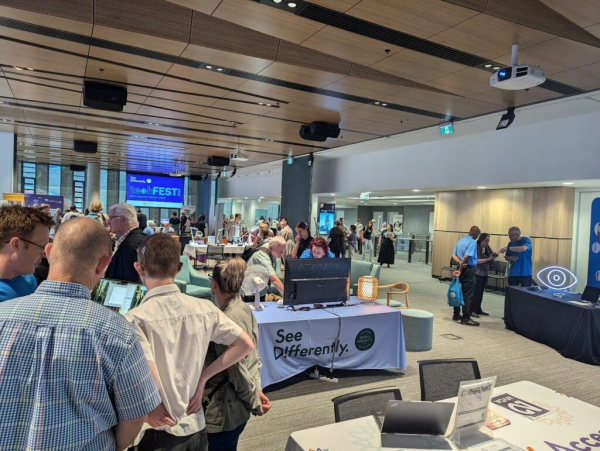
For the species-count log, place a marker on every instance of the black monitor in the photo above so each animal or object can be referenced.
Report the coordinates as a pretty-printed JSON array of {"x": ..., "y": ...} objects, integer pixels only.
[
  {"x": 591, "y": 294},
  {"x": 316, "y": 280}
]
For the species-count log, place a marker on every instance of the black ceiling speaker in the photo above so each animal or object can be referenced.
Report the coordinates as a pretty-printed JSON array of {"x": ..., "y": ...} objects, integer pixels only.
[
  {"x": 218, "y": 161},
  {"x": 196, "y": 178},
  {"x": 102, "y": 96},
  {"x": 306, "y": 134},
  {"x": 85, "y": 146},
  {"x": 325, "y": 129},
  {"x": 76, "y": 167}
]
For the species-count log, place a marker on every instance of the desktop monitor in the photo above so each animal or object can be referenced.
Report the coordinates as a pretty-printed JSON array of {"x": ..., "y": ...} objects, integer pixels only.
[
  {"x": 316, "y": 280},
  {"x": 591, "y": 294},
  {"x": 118, "y": 295}
]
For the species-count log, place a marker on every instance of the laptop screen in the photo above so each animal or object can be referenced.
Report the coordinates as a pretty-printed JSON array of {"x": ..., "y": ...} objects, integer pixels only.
[
  {"x": 118, "y": 295},
  {"x": 590, "y": 294},
  {"x": 412, "y": 417}
]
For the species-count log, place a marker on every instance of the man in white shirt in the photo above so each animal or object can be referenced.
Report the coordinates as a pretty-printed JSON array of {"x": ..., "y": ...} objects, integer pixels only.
[
  {"x": 167, "y": 228},
  {"x": 174, "y": 330},
  {"x": 265, "y": 256}
]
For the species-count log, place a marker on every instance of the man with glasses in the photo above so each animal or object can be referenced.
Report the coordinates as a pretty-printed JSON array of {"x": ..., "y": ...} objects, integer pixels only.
[
  {"x": 519, "y": 253},
  {"x": 24, "y": 233},
  {"x": 122, "y": 220}
]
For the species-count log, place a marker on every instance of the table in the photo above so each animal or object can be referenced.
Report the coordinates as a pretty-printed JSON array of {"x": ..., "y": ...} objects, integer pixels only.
[
  {"x": 370, "y": 337},
  {"x": 192, "y": 249},
  {"x": 573, "y": 330},
  {"x": 571, "y": 424}
]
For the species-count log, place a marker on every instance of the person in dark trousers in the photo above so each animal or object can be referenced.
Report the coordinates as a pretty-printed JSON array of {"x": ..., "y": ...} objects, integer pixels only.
[
  {"x": 201, "y": 224},
  {"x": 387, "y": 251},
  {"x": 519, "y": 255},
  {"x": 142, "y": 219},
  {"x": 485, "y": 262},
  {"x": 465, "y": 254},
  {"x": 337, "y": 236},
  {"x": 175, "y": 221},
  {"x": 184, "y": 220},
  {"x": 122, "y": 220}
]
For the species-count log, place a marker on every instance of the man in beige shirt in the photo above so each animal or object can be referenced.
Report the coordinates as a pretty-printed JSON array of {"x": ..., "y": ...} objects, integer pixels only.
[{"x": 174, "y": 330}]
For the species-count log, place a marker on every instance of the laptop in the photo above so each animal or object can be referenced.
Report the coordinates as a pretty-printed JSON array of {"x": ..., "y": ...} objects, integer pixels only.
[
  {"x": 118, "y": 295},
  {"x": 419, "y": 425},
  {"x": 591, "y": 294}
]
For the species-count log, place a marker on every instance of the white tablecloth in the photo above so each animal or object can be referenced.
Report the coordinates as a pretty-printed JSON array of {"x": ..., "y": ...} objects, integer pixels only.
[
  {"x": 370, "y": 337},
  {"x": 192, "y": 250},
  {"x": 570, "y": 425}
]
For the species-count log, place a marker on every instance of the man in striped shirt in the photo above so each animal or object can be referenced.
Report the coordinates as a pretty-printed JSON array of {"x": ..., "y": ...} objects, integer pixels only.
[{"x": 72, "y": 373}]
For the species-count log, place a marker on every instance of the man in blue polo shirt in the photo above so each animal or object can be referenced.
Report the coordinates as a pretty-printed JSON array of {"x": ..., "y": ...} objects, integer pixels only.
[
  {"x": 519, "y": 253},
  {"x": 465, "y": 254}
]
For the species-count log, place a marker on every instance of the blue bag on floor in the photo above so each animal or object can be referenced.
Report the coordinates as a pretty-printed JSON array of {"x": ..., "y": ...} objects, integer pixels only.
[{"x": 455, "y": 297}]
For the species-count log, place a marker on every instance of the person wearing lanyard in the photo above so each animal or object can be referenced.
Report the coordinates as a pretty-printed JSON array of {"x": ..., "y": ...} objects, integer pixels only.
[
  {"x": 174, "y": 330},
  {"x": 465, "y": 254}
]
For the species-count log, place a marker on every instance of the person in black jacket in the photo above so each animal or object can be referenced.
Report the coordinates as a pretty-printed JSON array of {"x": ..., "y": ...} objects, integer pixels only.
[
  {"x": 123, "y": 222},
  {"x": 142, "y": 219},
  {"x": 337, "y": 236}
]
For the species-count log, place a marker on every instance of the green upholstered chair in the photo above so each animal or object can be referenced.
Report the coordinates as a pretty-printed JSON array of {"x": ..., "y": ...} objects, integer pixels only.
[
  {"x": 197, "y": 284},
  {"x": 359, "y": 269}
]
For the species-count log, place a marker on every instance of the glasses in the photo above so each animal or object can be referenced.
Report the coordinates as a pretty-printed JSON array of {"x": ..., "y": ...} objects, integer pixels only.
[
  {"x": 113, "y": 217},
  {"x": 30, "y": 242}
]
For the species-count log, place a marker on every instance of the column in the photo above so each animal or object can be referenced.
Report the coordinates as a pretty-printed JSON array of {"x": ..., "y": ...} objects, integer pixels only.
[
  {"x": 92, "y": 186},
  {"x": 8, "y": 169},
  {"x": 296, "y": 189}
]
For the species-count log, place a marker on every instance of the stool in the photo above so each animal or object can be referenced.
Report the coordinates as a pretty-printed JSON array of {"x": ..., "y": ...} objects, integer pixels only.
[{"x": 418, "y": 329}]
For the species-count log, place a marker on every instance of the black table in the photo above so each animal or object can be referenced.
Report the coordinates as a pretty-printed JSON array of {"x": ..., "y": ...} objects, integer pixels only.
[{"x": 571, "y": 329}]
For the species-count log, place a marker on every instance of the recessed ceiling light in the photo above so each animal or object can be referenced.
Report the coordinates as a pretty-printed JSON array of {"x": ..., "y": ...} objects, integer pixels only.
[
  {"x": 395, "y": 203},
  {"x": 332, "y": 194},
  {"x": 291, "y": 5},
  {"x": 488, "y": 65},
  {"x": 268, "y": 104},
  {"x": 276, "y": 1},
  {"x": 482, "y": 187},
  {"x": 416, "y": 190},
  {"x": 30, "y": 68},
  {"x": 567, "y": 183},
  {"x": 497, "y": 68},
  {"x": 260, "y": 103},
  {"x": 18, "y": 68},
  {"x": 376, "y": 103},
  {"x": 209, "y": 67},
  {"x": 220, "y": 69},
  {"x": 384, "y": 104}
]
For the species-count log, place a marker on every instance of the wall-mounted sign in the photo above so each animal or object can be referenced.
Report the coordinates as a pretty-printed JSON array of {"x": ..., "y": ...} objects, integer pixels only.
[
  {"x": 446, "y": 128},
  {"x": 364, "y": 196},
  {"x": 13, "y": 197}
]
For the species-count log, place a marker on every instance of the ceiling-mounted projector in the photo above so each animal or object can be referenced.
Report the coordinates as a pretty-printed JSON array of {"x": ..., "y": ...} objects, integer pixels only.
[
  {"x": 238, "y": 155},
  {"x": 517, "y": 76}
]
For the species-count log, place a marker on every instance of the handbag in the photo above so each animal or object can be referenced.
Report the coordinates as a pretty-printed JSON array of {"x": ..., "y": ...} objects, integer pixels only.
[{"x": 455, "y": 296}]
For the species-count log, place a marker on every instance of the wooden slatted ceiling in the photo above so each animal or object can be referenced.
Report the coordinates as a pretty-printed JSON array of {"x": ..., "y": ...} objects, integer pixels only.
[{"x": 196, "y": 115}]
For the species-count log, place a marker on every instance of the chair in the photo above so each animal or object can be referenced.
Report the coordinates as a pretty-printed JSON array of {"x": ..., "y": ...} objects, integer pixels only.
[
  {"x": 440, "y": 379},
  {"x": 418, "y": 329},
  {"x": 500, "y": 274},
  {"x": 215, "y": 253},
  {"x": 395, "y": 289},
  {"x": 358, "y": 269},
  {"x": 196, "y": 284},
  {"x": 453, "y": 267},
  {"x": 363, "y": 403}
]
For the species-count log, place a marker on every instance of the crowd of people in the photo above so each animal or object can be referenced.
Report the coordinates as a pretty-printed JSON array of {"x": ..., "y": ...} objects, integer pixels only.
[{"x": 176, "y": 372}]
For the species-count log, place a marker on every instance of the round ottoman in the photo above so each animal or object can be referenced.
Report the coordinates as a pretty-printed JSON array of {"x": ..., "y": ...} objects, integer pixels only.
[{"x": 418, "y": 329}]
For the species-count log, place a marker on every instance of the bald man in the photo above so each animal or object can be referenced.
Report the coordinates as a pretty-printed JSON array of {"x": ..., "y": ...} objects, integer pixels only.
[
  {"x": 465, "y": 254},
  {"x": 87, "y": 381}
]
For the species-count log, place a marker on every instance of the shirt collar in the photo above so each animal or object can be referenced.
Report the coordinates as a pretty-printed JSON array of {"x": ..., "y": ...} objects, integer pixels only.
[
  {"x": 122, "y": 237},
  {"x": 63, "y": 289},
  {"x": 232, "y": 301},
  {"x": 162, "y": 290}
]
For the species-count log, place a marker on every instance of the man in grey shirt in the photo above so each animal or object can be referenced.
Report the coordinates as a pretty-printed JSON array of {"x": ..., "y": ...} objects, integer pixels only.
[{"x": 265, "y": 256}]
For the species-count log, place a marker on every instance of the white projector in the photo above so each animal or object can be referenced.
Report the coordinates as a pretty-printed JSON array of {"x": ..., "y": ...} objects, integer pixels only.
[
  {"x": 515, "y": 77},
  {"x": 238, "y": 156}
]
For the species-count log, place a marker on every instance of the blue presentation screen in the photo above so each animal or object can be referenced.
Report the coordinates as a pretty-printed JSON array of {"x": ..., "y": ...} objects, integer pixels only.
[{"x": 148, "y": 190}]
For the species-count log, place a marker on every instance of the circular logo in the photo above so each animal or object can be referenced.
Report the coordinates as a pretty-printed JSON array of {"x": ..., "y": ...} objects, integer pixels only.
[
  {"x": 452, "y": 294},
  {"x": 596, "y": 248},
  {"x": 365, "y": 340},
  {"x": 148, "y": 180}
]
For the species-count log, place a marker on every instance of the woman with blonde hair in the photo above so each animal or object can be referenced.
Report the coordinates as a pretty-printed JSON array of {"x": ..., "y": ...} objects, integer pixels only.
[
  {"x": 96, "y": 212},
  {"x": 232, "y": 395}
]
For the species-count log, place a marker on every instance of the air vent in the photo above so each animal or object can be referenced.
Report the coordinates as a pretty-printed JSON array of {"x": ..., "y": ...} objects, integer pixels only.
[{"x": 561, "y": 88}]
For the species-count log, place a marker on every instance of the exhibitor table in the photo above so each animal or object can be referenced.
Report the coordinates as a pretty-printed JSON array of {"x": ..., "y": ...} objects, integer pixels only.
[
  {"x": 547, "y": 421},
  {"x": 361, "y": 336},
  {"x": 200, "y": 250},
  {"x": 570, "y": 328}
]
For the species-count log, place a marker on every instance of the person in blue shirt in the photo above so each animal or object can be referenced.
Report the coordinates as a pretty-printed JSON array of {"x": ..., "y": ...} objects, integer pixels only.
[
  {"x": 519, "y": 253},
  {"x": 24, "y": 234},
  {"x": 465, "y": 255},
  {"x": 318, "y": 248}
]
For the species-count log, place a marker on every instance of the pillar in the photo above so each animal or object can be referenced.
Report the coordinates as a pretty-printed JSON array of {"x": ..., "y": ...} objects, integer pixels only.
[
  {"x": 296, "y": 190},
  {"x": 92, "y": 185},
  {"x": 8, "y": 169}
]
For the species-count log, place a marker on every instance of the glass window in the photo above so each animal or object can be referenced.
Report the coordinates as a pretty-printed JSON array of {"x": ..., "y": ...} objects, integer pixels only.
[
  {"x": 186, "y": 198},
  {"x": 104, "y": 187},
  {"x": 79, "y": 189},
  {"x": 122, "y": 186},
  {"x": 54, "y": 180},
  {"x": 29, "y": 175}
]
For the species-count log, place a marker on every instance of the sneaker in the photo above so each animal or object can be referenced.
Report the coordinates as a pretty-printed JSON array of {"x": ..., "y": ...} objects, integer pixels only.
[
  {"x": 474, "y": 315},
  {"x": 456, "y": 318},
  {"x": 469, "y": 322},
  {"x": 483, "y": 313}
]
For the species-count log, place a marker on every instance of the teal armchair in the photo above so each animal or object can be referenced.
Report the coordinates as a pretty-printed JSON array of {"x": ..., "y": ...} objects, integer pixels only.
[{"x": 196, "y": 283}]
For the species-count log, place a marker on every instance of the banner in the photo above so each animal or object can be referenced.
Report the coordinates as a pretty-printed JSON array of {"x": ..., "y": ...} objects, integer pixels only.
[
  {"x": 355, "y": 340},
  {"x": 55, "y": 202},
  {"x": 13, "y": 197},
  {"x": 593, "y": 278},
  {"x": 154, "y": 191}
]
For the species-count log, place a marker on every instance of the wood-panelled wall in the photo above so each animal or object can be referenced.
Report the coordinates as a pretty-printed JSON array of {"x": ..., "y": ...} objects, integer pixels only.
[{"x": 543, "y": 214}]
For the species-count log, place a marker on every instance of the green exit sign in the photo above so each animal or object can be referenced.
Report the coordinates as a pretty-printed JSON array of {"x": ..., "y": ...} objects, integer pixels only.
[
  {"x": 447, "y": 128},
  {"x": 364, "y": 196}
]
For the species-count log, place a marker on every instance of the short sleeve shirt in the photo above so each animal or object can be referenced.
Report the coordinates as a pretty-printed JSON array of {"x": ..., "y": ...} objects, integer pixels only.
[
  {"x": 523, "y": 265},
  {"x": 467, "y": 246},
  {"x": 17, "y": 287},
  {"x": 262, "y": 259}
]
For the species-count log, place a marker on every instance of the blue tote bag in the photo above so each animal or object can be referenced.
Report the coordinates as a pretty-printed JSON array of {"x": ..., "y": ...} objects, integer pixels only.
[{"x": 455, "y": 297}]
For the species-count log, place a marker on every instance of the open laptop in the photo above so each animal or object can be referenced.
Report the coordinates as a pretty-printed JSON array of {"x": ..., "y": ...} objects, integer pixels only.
[
  {"x": 118, "y": 295},
  {"x": 591, "y": 294},
  {"x": 419, "y": 425}
]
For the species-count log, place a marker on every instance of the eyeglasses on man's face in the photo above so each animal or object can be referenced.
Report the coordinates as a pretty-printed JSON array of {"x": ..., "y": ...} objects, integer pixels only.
[{"x": 42, "y": 247}]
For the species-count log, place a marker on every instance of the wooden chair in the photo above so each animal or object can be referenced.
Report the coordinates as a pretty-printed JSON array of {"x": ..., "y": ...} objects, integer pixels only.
[{"x": 396, "y": 289}]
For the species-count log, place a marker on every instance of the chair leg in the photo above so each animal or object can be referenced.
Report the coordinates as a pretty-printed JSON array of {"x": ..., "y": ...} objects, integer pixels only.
[{"x": 407, "y": 303}]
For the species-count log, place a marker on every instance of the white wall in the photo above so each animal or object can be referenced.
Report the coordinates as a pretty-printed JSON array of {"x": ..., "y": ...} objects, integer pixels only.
[
  {"x": 581, "y": 234},
  {"x": 266, "y": 182},
  {"x": 7, "y": 156}
]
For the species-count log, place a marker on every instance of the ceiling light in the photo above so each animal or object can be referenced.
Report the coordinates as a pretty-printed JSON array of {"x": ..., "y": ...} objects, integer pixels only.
[
  {"x": 332, "y": 194},
  {"x": 416, "y": 190},
  {"x": 209, "y": 67},
  {"x": 567, "y": 183},
  {"x": 488, "y": 65},
  {"x": 30, "y": 68},
  {"x": 482, "y": 187},
  {"x": 268, "y": 104},
  {"x": 384, "y": 104},
  {"x": 260, "y": 103},
  {"x": 18, "y": 68},
  {"x": 276, "y": 1},
  {"x": 376, "y": 103},
  {"x": 220, "y": 69},
  {"x": 506, "y": 119},
  {"x": 497, "y": 68},
  {"x": 291, "y": 5}
]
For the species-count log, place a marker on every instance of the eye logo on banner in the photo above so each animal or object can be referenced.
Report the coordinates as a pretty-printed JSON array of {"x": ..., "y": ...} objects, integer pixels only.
[{"x": 557, "y": 278}]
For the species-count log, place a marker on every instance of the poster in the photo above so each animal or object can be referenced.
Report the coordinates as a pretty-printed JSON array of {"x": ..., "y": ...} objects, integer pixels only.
[
  {"x": 55, "y": 202},
  {"x": 594, "y": 260},
  {"x": 326, "y": 218}
]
